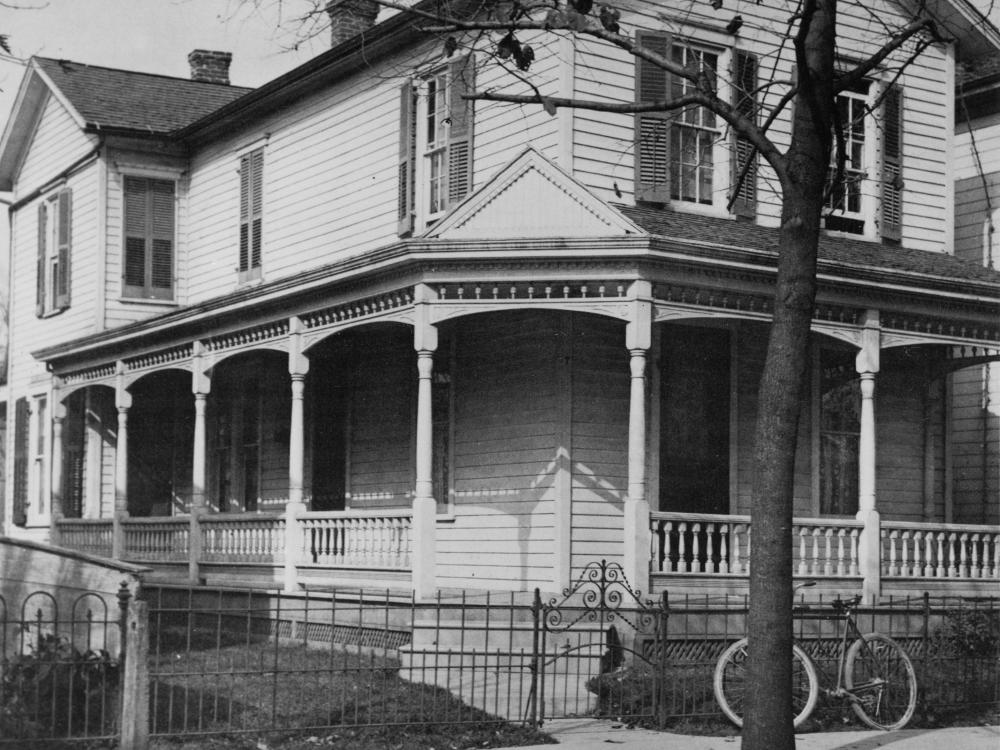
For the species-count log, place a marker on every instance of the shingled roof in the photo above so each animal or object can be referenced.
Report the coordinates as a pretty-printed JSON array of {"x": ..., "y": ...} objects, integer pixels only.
[
  {"x": 108, "y": 98},
  {"x": 676, "y": 225}
]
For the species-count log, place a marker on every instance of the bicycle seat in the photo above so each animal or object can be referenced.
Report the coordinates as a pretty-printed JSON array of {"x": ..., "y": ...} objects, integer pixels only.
[{"x": 845, "y": 605}]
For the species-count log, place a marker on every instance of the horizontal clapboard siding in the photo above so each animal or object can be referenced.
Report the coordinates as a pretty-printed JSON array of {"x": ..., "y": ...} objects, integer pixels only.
[
  {"x": 975, "y": 444},
  {"x": 600, "y": 440},
  {"x": 505, "y": 433}
]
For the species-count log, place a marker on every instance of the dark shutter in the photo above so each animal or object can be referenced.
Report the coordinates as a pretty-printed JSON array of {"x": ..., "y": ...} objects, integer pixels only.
[
  {"x": 251, "y": 209},
  {"x": 892, "y": 164},
  {"x": 43, "y": 210},
  {"x": 407, "y": 156},
  {"x": 64, "y": 240},
  {"x": 135, "y": 236},
  {"x": 744, "y": 77},
  {"x": 21, "y": 447},
  {"x": 652, "y": 129},
  {"x": 161, "y": 274},
  {"x": 461, "y": 77}
]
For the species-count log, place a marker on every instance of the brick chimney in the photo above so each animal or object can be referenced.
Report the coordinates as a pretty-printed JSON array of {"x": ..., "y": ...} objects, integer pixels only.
[
  {"x": 348, "y": 18},
  {"x": 210, "y": 66}
]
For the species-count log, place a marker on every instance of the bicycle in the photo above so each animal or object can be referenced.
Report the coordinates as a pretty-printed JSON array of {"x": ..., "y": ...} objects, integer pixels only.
[{"x": 875, "y": 675}]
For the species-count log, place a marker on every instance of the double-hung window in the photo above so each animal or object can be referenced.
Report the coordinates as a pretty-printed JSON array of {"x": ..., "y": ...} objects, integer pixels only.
[
  {"x": 251, "y": 214},
  {"x": 682, "y": 156},
  {"x": 149, "y": 238},
  {"x": 54, "y": 241},
  {"x": 435, "y": 144},
  {"x": 867, "y": 199}
]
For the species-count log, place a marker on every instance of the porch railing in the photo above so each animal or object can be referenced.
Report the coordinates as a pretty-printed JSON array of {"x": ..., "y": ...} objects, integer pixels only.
[
  {"x": 156, "y": 539},
  {"x": 704, "y": 544},
  {"x": 243, "y": 538},
  {"x": 367, "y": 539},
  {"x": 693, "y": 544},
  {"x": 94, "y": 536},
  {"x": 939, "y": 550}
]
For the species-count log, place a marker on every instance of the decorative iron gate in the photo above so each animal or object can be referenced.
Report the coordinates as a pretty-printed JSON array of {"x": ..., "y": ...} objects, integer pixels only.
[{"x": 598, "y": 649}]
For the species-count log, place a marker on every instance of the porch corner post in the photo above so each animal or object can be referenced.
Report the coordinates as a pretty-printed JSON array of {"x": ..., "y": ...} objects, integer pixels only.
[
  {"x": 56, "y": 475},
  {"x": 638, "y": 338},
  {"x": 870, "y": 547},
  {"x": 424, "y": 523},
  {"x": 201, "y": 386},
  {"x": 298, "y": 367},
  {"x": 123, "y": 402}
]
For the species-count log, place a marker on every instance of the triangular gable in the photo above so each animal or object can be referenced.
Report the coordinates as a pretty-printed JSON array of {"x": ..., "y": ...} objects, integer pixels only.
[
  {"x": 35, "y": 92},
  {"x": 532, "y": 197}
]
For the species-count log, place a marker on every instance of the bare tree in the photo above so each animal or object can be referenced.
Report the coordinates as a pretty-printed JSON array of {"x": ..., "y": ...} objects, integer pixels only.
[{"x": 805, "y": 181}]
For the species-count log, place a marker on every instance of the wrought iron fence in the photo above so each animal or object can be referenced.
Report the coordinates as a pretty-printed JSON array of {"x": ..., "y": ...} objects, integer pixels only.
[{"x": 60, "y": 668}]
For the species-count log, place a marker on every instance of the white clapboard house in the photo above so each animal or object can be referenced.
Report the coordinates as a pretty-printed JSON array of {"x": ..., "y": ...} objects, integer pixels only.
[{"x": 348, "y": 328}]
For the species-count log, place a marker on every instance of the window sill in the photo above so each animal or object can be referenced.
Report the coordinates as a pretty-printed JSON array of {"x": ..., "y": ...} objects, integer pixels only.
[
  {"x": 148, "y": 301},
  {"x": 52, "y": 313},
  {"x": 687, "y": 207}
]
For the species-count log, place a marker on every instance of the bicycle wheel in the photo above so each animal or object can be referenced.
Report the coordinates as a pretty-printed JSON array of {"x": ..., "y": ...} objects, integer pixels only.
[
  {"x": 729, "y": 683},
  {"x": 880, "y": 676}
]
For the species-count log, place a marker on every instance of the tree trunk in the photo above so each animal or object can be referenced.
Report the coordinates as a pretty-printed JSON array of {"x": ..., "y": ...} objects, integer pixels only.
[{"x": 768, "y": 716}]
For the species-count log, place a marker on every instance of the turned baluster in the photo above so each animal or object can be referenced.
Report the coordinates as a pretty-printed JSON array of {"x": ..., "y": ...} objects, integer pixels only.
[
  {"x": 905, "y": 569},
  {"x": 668, "y": 529},
  {"x": 893, "y": 567},
  {"x": 803, "y": 568},
  {"x": 854, "y": 552},
  {"x": 724, "y": 548},
  {"x": 963, "y": 552},
  {"x": 682, "y": 561},
  {"x": 696, "y": 563},
  {"x": 941, "y": 569},
  {"x": 828, "y": 561}
]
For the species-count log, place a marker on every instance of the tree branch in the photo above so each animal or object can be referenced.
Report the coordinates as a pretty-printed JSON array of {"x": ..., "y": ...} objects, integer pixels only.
[{"x": 851, "y": 78}]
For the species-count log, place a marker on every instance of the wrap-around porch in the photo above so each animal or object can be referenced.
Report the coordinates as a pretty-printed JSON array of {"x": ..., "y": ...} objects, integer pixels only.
[{"x": 488, "y": 435}]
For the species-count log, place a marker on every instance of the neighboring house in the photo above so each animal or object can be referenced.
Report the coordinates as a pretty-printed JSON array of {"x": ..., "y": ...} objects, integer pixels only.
[{"x": 350, "y": 328}]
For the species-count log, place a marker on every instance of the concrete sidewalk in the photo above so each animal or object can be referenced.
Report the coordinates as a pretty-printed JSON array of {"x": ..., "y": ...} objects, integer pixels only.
[{"x": 594, "y": 734}]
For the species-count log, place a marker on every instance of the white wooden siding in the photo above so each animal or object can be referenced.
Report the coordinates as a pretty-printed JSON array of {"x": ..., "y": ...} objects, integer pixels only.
[
  {"x": 382, "y": 403},
  {"x": 505, "y": 435},
  {"x": 56, "y": 144},
  {"x": 975, "y": 444},
  {"x": 600, "y": 440}
]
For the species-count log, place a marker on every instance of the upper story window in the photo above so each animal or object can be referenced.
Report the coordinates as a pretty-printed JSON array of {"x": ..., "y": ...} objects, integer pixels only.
[
  {"x": 867, "y": 200},
  {"x": 251, "y": 214},
  {"x": 683, "y": 157},
  {"x": 149, "y": 238},
  {"x": 54, "y": 244},
  {"x": 435, "y": 144}
]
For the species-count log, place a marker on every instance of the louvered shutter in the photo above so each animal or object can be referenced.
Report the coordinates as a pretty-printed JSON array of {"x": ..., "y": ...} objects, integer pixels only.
[
  {"x": 135, "y": 237},
  {"x": 64, "y": 241},
  {"x": 892, "y": 164},
  {"x": 407, "y": 157},
  {"x": 744, "y": 78},
  {"x": 21, "y": 447},
  {"x": 43, "y": 210},
  {"x": 251, "y": 209},
  {"x": 161, "y": 272},
  {"x": 461, "y": 75},
  {"x": 652, "y": 129}
]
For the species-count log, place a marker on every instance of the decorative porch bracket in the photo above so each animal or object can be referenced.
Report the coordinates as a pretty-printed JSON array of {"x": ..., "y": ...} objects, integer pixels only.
[
  {"x": 638, "y": 338},
  {"x": 867, "y": 365}
]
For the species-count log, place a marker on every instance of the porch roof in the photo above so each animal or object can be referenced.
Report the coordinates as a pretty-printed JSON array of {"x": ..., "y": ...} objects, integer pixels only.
[{"x": 858, "y": 254}]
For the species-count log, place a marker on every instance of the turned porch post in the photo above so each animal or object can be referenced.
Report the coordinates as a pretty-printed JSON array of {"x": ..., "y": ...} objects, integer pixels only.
[
  {"x": 638, "y": 337},
  {"x": 123, "y": 402},
  {"x": 424, "y": 523},
  {"x": 201, "y": 386},
  {"x": 56, "y": 475},
  {"x": 869, "y": 551},
  {"x": 298, "y": 367}
]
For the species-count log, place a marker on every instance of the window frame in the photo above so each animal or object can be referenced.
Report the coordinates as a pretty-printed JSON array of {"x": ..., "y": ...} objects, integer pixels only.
[
  {"x": 38, "y": 446},
  {"x": 721, "y": 144},
  {"x": 866, "y": 171},
  {"x": 54, "y": 251},
  {"x": 147, "y": 292},
  {"x": 851, "y": 378}
]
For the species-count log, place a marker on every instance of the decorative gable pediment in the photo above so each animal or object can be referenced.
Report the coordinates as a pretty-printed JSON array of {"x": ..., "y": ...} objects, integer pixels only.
[{"x": 532, "y": 198}]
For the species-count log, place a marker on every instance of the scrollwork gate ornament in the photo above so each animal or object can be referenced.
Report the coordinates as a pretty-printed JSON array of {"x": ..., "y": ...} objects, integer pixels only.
[{"x": 605, "y": 595}]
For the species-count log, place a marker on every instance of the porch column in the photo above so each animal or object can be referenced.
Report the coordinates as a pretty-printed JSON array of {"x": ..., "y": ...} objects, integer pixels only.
[
  {"x": 201, "y": 386},
  {"x": 56, "y": 475},
  {"x": 123, "y": 402},
  {"x": 869, "y": 551},
  {"x": 424, "y": 524},
  {"x": 638, "y": 337},
  {"x": 298, "y": 367}
]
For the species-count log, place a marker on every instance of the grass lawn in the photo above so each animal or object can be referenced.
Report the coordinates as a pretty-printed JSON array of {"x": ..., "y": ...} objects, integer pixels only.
[{"x": 266, "y": 696}]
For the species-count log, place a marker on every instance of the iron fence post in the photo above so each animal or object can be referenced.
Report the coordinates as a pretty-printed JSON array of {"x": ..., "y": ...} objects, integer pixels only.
[
  {"x": 135, "y": 678},
  {"x": 536, "y": 610}
]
